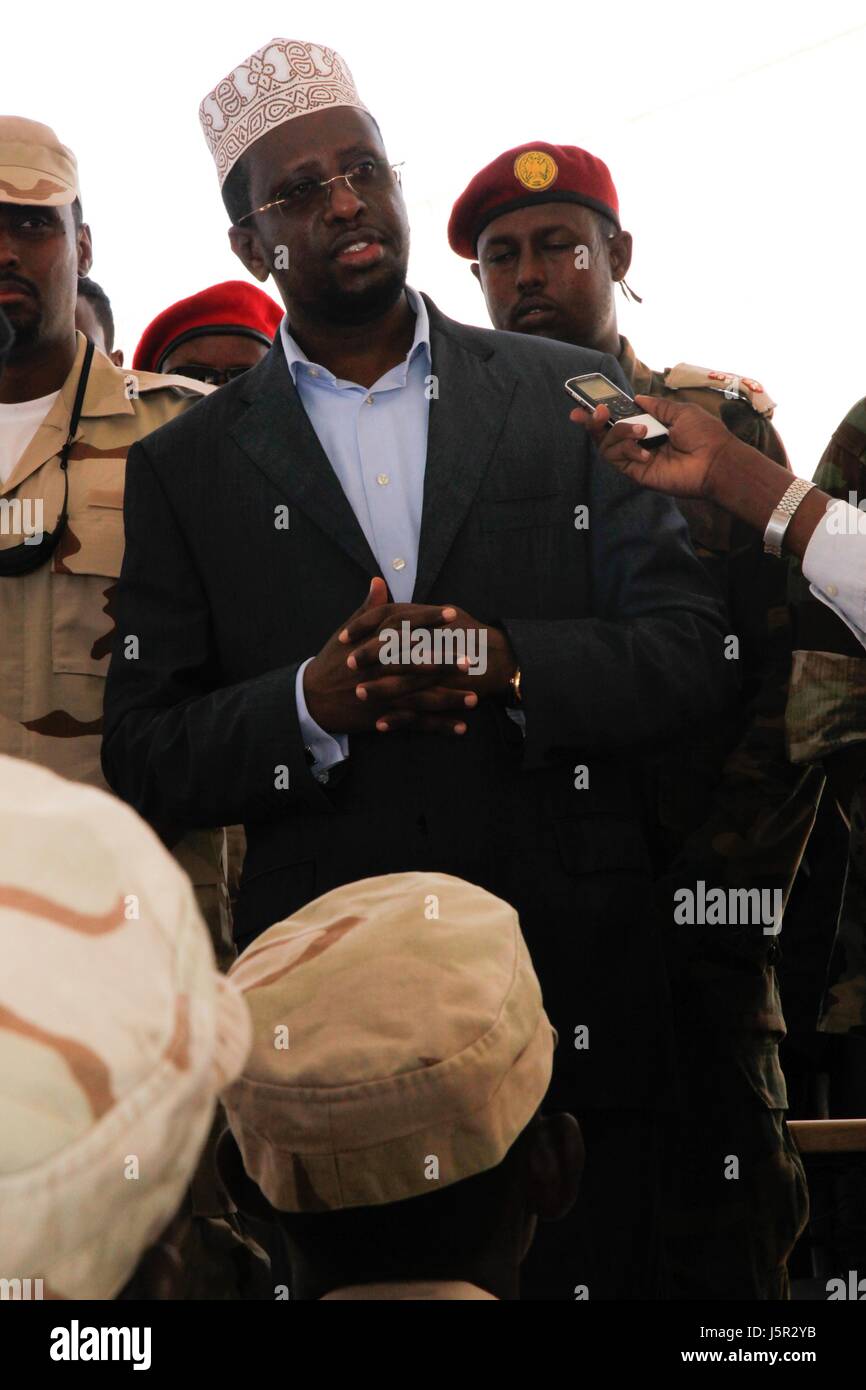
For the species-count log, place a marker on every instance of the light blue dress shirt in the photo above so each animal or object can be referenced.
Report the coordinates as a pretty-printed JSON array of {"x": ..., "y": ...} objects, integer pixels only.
[{"x": 376, "y": 441}]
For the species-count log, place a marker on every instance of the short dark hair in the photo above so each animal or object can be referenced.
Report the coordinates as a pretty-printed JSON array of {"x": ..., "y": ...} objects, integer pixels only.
[
  {"x": 77, "y": 214},
  {"x": 236, "y": 192},
  {"x": 606, "y": 225},
  {"x": 432, "y": 1236},
  {"x": 101, "y": 307}
]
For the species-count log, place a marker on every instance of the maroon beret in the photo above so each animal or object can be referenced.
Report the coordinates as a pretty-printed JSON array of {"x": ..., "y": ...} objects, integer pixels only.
[
  {"x": 528, "y": 174},
  {"x": 232, "y": 307}
]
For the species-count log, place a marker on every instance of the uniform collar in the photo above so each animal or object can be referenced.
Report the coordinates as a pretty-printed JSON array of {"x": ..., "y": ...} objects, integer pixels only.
[
  {"x": 638, "y": 373},
  {"x": 109, "y": 388},
  {"x": 110, "y": 391},
  {"x": 421, "y": 340}
]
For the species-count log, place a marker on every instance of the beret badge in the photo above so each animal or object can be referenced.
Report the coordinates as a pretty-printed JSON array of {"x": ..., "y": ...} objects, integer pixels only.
[{"x": 536, "y": 170}]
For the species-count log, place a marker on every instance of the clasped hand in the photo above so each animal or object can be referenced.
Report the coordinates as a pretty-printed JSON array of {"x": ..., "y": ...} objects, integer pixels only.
[{"x": 413, "y": 666}]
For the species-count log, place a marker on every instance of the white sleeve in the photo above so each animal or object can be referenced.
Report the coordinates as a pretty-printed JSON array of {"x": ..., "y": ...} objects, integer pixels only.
[
  {"x": 835, "y": 565},
  {"x": 327, "y": 751}
]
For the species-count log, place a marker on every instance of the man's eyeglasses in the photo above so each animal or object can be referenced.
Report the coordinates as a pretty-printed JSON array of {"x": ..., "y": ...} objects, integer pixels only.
[
  {"x": 365, "y": 177},
  {"x": 211, "y": 376}
]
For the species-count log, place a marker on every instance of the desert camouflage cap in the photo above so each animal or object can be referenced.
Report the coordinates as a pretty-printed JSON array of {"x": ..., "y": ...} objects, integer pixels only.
[
  {"x": 116, "y": 1035},
  {"x": 34, "y": 166},
  {"x": 399, "y": 1043}
]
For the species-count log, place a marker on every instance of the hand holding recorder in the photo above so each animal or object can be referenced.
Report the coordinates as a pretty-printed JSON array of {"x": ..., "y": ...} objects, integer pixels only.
[
  {"x": 660, "y": 444},
  {"x": 699, "y": 457}
]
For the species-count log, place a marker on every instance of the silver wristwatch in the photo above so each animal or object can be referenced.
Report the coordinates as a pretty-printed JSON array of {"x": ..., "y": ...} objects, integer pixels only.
[{"x": 781, "y": 518}]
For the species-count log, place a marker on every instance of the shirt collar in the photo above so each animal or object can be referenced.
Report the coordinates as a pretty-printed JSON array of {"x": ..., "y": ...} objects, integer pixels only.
[{"x": 421, "y": 340}]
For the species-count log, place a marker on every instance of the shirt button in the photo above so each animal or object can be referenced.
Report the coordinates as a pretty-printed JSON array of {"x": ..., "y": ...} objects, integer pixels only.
[
  {"x": 382, "y": 479},
  {"x": 314, "y": 371},
  {"x": 398, "y": 564},
  {"x": 832, "y": 590},
  {"x": 369, "y": 400}
]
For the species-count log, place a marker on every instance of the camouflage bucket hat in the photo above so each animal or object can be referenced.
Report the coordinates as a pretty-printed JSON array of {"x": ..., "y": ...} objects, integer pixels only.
[
  {"x": 399, "y": 1043},
  {"x": 116, "y": 1035},
  {"x": 34, "y": 166}
]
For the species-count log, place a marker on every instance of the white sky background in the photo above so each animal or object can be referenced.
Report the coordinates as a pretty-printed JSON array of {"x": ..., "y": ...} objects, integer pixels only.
[{"x": 735, "y": 134}]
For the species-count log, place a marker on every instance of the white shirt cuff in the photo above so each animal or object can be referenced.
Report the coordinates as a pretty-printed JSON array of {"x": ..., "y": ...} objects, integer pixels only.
[
  {"x": 327, "y": 751},
  {"x": 835, "y": 565}
]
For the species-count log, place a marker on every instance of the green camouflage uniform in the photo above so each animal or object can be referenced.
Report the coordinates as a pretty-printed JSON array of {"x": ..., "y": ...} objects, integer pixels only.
[
  {"x": 730, "y": 809},
  {"x": 826, "y": 720}
]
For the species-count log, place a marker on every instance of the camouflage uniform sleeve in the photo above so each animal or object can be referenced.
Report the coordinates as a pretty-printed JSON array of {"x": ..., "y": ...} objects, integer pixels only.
[
  {"x": 746, "y": 811},
  {"x": 843, "y": 464},
  {"x": 755, "y": 825},
  {"x": 844, "y": 1006},
  {"x": 826, "y": 723},
  {"x": 754, "y": 429},
  {"x": 762, "y": 809},
  {"x": 826, "y": 710}
]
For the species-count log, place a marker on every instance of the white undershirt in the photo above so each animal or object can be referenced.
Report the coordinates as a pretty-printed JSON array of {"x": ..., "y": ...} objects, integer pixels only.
[
  {"x": 18, "y": 424},
  {"x": 835, "y": 564}
]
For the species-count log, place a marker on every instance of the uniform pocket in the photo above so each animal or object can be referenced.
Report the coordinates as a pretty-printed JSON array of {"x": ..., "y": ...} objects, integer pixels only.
[{"x": 86, "y": 569}]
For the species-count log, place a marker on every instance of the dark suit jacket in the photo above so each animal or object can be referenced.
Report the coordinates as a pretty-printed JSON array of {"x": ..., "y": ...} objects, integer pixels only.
[{"x": 617, "y": 630}]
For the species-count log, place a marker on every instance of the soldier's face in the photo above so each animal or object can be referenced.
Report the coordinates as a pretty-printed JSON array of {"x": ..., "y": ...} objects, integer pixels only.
[
  {"x": 549, "y": 270},
  {"x": 216, "y": 352},
  {"x": 41, "y": 257},
  {"x": 339, "y": 255}
]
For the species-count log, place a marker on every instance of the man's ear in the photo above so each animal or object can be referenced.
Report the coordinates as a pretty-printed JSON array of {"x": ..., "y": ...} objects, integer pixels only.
[
  {"x": 117, "y": 357},
  {"x": 555, "y": 1165},
  {"x": 243, "y": 1191},
  {"x": 476, "y": 271},
  {"x": 619, "y": 249},
  {"x": 85, "y": 249},
  {"x": 248, "y": 249}
]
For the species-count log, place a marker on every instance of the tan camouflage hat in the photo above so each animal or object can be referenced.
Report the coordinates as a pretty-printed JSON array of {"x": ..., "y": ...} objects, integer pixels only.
[
  {"x": 116, "y": 1035},
  {"x": 399, "y": 1043},
  {"x": 34, "y": 166}
]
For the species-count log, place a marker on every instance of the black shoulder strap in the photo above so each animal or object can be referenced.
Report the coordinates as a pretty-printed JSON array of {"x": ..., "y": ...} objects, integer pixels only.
[{"x": 78, "y": 403}]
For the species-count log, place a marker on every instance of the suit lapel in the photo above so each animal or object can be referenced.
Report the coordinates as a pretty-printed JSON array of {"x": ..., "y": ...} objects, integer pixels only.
[
  {"x": 276, "y": 434},
  {"x": 464, "y": 427}
]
